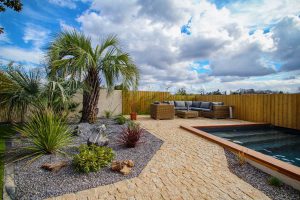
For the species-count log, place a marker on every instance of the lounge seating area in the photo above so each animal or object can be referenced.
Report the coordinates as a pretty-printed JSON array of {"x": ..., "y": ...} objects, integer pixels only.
[{"x": 168, "y": 109}]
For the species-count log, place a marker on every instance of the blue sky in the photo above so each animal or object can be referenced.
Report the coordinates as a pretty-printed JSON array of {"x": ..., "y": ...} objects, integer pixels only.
[{"x": 203, "y": 44}]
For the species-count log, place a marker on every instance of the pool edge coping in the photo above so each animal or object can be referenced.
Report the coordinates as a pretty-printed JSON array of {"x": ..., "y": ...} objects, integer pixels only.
[{"x": 274, "y": 164}]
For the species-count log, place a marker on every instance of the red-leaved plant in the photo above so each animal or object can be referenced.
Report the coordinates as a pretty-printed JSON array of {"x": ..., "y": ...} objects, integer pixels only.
[{"x": 131, "y": 135}]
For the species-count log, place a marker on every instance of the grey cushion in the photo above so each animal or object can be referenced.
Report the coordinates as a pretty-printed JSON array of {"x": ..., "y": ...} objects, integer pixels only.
[
  {"x": 196, "y": 104},
  {"x": 218, "y": 103},
  {"x": 195, "y": 108},
  {"x": 167, "y": 102},
  {"x": 188, "y": 103},
  {"x": 206, "y": 105},
  {"x": 180, "y": 108},
  {"x": 204, "y": 109},
  {"x": 156, "y": 102},
  {"x": 179, "y": 104}
]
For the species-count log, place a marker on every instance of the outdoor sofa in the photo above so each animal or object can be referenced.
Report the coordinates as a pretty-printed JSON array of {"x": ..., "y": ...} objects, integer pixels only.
[{"x": 205, "y": 109}]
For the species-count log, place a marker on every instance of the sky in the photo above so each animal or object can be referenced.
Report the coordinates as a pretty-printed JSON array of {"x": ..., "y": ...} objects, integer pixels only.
[{"x": 195, "y": 44}]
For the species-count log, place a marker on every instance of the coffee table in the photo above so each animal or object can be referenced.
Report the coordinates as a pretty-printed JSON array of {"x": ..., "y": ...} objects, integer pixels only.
[{"x": 187, "y": 113}]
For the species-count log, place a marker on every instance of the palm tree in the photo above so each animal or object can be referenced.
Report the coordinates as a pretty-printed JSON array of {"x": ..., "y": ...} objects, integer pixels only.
[
  {"x": 18, "y": 91},
  {"x": 71, "y": 55}
]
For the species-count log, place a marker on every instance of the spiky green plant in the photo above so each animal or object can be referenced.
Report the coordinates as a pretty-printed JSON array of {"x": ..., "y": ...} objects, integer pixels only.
[
  {"x": 120, "y": 119},
  {"x": 274, "y": 181},
  {"x": 18, "y": 91},
  {"x": 71, "y": 55},
  {"x": 47, "y": 133}
]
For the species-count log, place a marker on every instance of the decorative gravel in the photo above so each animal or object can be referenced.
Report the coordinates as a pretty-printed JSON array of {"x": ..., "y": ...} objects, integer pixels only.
[
  {"x": 259, "y": 179},
  {"x": 32, "y": 182}
]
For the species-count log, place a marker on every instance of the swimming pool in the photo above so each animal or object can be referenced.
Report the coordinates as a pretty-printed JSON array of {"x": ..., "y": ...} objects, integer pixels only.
[{"x": 280, "y": 143}]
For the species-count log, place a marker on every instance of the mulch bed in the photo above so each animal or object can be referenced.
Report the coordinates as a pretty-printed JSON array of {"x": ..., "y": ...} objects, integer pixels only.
[{"x": 32, "y": 182}]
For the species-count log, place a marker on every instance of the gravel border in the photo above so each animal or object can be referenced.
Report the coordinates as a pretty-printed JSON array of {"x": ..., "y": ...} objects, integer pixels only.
[
  {"x": 259, "y": 179},
  {"x": 33, "y": 183}
]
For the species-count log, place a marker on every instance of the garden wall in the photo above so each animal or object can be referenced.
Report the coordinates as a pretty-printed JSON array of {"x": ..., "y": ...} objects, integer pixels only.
[
  {"x": 107, "y": 102},
  {"x": 278, "y": 109}
]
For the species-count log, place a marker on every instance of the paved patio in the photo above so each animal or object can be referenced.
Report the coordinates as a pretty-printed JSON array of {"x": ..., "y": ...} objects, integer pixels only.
[{"x": 186, "y": 167}]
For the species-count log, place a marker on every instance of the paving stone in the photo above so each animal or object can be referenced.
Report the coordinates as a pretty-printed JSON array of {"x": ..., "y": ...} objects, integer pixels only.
[{"x": 186, "y": 167}]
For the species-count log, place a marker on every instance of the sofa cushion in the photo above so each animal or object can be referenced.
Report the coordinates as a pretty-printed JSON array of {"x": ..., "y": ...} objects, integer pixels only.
[
  {"x": 201, "y": 109},
  {"x": 196, "y": 104},
  {"x": 217, "y": 103},
  {"x": 180, "y": 108},
  {"x": 195, "y": 108},
  {"x": 205, "y": 109},
  {"x": 206, "y": 105},
  {"x": 188, "y": 103},
  {"x": 156, "y": 102},
  {"x": 179, "y": 104}
]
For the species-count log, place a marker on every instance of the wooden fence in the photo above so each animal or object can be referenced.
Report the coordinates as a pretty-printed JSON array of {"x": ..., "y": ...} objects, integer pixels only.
[{"x": 278, "y": 109}]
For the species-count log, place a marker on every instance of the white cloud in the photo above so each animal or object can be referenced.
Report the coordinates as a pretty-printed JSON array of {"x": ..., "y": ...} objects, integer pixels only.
[
  {"x": 36, "y": 35},
  {"x": 286, "y": 35},
  {"x": 12, "y": 53},
  {"x": 64, "y": 3},
  {"x": 4, "y": 38},
  {"x": 221, "y": 36},
  {"x": 64, "y": 26}
]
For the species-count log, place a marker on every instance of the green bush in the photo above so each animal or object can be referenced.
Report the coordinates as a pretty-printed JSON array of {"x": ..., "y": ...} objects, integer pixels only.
[
  {"x": 108, "y": 114},
  {"x": 92, "y": 158},
  {"x": 120, "y": 119},
  {"x": 47, "y": 133},
  {"x": 274, "y": 181}
]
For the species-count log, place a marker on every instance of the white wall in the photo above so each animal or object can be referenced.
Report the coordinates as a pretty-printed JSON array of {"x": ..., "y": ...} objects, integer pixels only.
[
  {"x": 110, "y": 102},
  {"x": 107, "y": 102}
]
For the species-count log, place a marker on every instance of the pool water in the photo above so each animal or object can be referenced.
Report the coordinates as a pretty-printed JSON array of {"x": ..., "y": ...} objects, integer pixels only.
[{"x": 280, "y": 143}]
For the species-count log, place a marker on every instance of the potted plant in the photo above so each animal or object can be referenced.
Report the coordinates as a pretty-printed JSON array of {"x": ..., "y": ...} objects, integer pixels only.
[{"x": 133, "y": 114}]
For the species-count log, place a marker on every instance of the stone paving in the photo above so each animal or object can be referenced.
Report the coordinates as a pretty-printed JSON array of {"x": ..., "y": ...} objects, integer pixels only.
[{"x": 186, "y": 167}]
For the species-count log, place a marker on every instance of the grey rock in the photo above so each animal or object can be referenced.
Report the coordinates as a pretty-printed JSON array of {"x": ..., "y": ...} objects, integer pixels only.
[{"x": 98, "y": 139}]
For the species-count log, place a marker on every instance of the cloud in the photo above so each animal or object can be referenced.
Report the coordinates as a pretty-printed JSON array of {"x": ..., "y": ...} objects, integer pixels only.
[
  {"x": 36, "y": 35},
  {"x": 164, "y": 55},
  {"x": 65, "y": 27},
  {"x": 12, "y": 53},
  {"x": 64, "y": 3},
  {"x": 159, "y": 11},
  {"x": 286, "y": 34},
  {"x": 151, "y": 31},
  {"x": 195, "y": 47},
  {"x": 4, "y": 38},
  {"x": 118, "y": 11},
  {"x": 247, "y": 61}
]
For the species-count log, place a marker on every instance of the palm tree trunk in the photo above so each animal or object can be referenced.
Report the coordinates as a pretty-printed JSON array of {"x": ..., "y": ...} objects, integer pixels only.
[{"x": 91, "y": 97}]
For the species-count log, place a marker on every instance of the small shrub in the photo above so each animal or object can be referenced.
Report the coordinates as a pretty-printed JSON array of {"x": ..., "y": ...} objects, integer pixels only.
[
  {"x": 241, "y": 158},
  {"x": 120, "y": 119},
  {"x": 131, "y": 135},
  {"x": 92, "y": 158},
  {"x": 274, "y": 181},
  {"x": 47, "y": 133},
  {"x": 108, "y": 114}
]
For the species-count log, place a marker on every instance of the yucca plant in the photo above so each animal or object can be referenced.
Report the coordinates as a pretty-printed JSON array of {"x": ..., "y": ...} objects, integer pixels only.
[
  {"x": 131, "y": 135},
  {"x": 47, "y": 133},
  {"x": 120, "y": 119}
]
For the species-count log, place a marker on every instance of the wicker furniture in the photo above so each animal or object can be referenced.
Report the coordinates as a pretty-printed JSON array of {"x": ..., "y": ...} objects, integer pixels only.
[
  {"x": 218, "y": 112},
  {"x": 162, "y": 111},
  {"x": 187, "y": 113}
]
